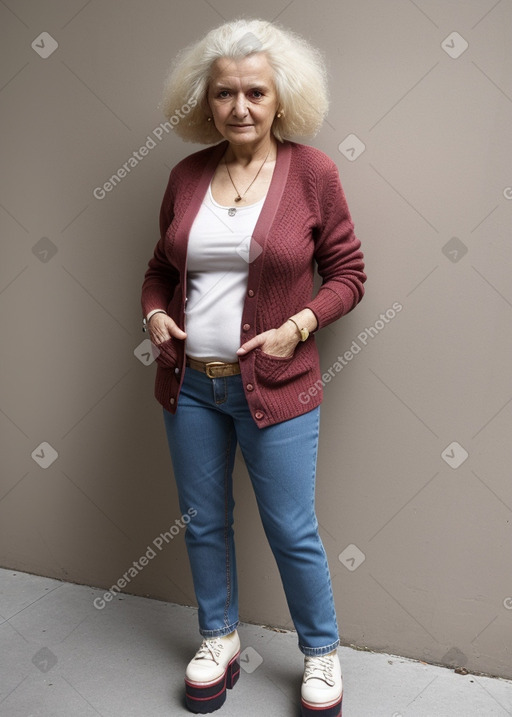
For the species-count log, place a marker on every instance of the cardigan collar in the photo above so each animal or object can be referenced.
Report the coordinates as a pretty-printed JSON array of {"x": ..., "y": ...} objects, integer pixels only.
[{"x": 274, "y": 194}]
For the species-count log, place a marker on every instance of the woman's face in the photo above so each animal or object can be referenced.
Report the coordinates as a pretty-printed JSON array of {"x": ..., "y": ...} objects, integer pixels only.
[{"x": 243, "y": 99}]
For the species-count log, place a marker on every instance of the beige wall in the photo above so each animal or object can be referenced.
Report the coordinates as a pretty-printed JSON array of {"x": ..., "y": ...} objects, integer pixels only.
[{"x": 432, "y": 199}]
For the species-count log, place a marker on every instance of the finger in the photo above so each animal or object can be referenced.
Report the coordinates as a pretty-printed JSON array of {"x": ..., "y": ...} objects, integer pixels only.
[
  {"x": 158, "y": 338},
  {"x": 165, "y": 328},
  {"x": 174, "y": 332},
  {"x": 250, "y": 345},
  {"x": 170, "y": 327},
  {"x": 177, "y": 333}
]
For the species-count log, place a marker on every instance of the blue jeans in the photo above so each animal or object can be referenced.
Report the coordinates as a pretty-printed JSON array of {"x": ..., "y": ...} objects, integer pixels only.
[{"x": 212, "y": 417}]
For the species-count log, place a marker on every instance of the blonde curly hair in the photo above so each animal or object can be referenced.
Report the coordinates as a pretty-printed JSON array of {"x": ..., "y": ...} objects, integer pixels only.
[{"x": 300, "y": 79}]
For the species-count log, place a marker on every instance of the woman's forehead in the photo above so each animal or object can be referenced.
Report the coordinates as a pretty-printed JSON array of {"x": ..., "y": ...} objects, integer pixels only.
[{"x": 242, "y": 71}]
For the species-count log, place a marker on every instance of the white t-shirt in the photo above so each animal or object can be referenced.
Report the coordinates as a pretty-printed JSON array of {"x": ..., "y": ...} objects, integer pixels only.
[{"x": 217, "y": 271}]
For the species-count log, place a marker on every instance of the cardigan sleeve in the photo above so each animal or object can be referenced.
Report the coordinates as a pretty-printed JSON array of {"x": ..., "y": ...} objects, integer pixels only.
[
  {"x": 337, "y": 253},
  {"x": 161, "y": 277}
]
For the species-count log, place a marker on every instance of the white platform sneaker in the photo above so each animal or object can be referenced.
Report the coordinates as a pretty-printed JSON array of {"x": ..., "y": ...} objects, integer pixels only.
[
  {"x": 214, "y": 668},
  {"x": 322, "y": 686}
]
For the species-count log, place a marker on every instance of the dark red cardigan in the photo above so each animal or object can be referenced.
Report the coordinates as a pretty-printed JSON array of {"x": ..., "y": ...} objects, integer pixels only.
[{"x": 304, "y": 219}]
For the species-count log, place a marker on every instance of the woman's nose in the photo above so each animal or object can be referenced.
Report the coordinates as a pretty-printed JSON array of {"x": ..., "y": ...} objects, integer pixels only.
[{"x": 240, "y": 108}]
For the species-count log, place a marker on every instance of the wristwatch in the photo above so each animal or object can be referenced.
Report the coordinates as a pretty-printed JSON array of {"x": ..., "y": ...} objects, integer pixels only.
[{"x": 304, "y": 333}]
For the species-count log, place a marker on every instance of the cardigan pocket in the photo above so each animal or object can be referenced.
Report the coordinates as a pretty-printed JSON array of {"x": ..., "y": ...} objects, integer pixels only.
[
  {"x": 168, "y": 356},
  {"x": 272, "y": 371}
]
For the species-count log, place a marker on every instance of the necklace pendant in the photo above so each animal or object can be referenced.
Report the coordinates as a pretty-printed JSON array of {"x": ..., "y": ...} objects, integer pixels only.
[
  {"x": 238, "y": 199},
  {"x": 231, "y": 212}
]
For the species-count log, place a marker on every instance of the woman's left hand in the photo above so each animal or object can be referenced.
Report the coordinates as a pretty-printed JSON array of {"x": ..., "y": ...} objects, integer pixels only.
[{"x": 276, "y": 342}]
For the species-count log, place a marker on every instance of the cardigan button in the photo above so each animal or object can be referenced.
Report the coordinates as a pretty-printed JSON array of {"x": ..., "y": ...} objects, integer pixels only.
[
  {"x": 259, "y": 415},
  {"x": 250, "y": 292},
  {"x": 246, "y": 327},
  {"x": 172, "y": 401},
  {"x": 177, "y": 370},
  {"x": 250, "y": 387}
]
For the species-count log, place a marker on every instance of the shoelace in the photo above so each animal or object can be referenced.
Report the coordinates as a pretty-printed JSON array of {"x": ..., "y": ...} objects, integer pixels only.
[
  {"x": 210, "y": 650},
  {"x": 320, "y": 668}
]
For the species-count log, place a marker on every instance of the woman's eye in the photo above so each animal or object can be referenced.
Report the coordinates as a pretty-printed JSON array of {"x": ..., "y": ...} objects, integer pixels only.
[
  {"x": 223, "y": 94},
  {"x": 257, "y": 94}
]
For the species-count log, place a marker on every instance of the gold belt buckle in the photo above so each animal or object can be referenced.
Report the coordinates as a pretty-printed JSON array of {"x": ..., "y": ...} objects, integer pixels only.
[{"x": 212, "y": 365}]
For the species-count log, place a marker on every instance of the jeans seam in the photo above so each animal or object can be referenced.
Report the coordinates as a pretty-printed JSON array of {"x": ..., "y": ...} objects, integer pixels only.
[
  {"x": 226, "y": 529},
  {"x": 315, "y": 651}
]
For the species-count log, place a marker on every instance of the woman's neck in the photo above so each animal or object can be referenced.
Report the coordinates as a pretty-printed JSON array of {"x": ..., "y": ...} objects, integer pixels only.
[{"x": 245, "y": 154}]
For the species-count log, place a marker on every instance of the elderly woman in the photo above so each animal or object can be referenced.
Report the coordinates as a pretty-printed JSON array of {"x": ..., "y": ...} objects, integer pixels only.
[{"x": 228, "y": 302}]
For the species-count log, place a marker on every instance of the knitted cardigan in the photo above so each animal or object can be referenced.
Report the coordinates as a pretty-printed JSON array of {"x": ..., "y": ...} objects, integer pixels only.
[{"x": 304, "y": 219}]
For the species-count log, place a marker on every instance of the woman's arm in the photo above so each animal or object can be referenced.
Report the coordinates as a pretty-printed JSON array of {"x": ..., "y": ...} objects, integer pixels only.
[
  {"x": 160, "y": 281},
  {"x": 340, "y": 265},
  {"x": 337, "y": 253},
  {"x": 161, "y": 277}
]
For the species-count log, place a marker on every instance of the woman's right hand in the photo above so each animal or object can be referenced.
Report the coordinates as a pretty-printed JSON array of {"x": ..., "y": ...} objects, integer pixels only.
[{"x": 161, "y": 328}]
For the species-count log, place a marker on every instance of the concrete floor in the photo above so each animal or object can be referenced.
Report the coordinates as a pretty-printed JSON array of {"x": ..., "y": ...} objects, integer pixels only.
[{"x": 62, "y": 657}]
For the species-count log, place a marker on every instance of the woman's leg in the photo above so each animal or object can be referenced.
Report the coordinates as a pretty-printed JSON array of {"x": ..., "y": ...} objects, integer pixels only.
[
  {"x": 202, "y": 443},
  {"x": 281, "y": 460}
]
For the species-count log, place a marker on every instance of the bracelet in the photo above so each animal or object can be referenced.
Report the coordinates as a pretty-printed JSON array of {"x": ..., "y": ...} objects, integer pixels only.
[
  {"x": 297, "y": 325},
  {"x": 145, "y": 322},
  {"x": 304, "y": 333}
]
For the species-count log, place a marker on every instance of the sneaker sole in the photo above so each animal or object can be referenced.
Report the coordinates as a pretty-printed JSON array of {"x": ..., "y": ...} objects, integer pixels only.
[
  {"x": 309, "y": 710},
  {"x": 203, "y": 700}
]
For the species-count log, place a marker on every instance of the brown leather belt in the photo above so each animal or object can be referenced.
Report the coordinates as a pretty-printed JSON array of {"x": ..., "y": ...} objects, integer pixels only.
[{"x": 214, "y": 369}]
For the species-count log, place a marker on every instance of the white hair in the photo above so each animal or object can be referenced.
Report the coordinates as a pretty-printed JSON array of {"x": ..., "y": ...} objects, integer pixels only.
[{"x": 300, "y": 79}]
